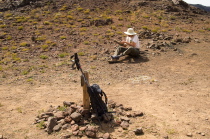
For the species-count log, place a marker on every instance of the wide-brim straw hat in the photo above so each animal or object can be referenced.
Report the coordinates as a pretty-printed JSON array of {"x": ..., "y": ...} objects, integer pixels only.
[{"x": 130, "y": 31}]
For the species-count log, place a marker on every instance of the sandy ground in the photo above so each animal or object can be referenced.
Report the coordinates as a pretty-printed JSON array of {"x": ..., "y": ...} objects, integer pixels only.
[{"x": 172, "y": 89}]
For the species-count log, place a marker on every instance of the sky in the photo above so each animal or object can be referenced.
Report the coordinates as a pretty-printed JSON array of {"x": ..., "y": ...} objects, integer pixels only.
[{"x": 203, "y": 2}]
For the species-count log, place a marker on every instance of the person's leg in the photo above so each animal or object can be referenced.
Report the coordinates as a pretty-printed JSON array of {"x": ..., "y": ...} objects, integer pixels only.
[
  {"x": 131, "y": 51},
  {"x": 119, "y": 50}
]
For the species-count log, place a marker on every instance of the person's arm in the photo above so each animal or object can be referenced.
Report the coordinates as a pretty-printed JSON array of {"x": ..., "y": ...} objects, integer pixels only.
[{"x": 133, "y": 44}]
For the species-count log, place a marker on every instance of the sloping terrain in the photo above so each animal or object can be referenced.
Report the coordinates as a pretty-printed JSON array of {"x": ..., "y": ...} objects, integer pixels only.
[{"x": 169, "y": 82}]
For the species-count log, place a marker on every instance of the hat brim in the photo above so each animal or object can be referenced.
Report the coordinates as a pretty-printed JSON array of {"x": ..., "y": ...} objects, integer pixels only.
[{"x": 130, "y": 33}]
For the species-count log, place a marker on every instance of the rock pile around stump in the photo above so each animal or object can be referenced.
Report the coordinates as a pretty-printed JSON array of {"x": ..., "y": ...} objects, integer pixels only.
[{"x": 73, "y": 120}]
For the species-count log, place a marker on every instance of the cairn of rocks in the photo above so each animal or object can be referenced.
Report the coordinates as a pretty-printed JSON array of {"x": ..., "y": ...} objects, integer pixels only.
[{"x": 73, "y": 120}]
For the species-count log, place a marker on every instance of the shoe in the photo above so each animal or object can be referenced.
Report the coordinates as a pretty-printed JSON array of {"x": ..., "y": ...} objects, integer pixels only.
[{"x": 115, "y": 57}]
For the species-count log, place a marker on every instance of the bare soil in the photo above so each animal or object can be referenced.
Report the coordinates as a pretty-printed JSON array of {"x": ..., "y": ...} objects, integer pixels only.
[{"x": 171, "y": 89}]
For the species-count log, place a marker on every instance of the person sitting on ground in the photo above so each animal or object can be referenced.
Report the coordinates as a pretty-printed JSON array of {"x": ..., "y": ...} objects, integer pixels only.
[{"x": 128, "y": 47}]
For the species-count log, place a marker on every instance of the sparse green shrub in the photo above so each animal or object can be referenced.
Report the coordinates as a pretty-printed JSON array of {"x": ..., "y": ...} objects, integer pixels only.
[
  {"x": 5, "y": 48},
  {"x": 62, "y": 55},
  {"x": 41, "y": 125},
  {"x": 81, "y": 53},
  {"x": 63, "y": 8},
  {"x": 46, "y": 23},
  {"x": 145, "y": 15},
  {"x": 173, "y": 18},
  {"x": 25, "y": 50},
  {"x": 87, "y": 11},
  {"x": 144, "y": 27},
  {"x": 83, "y": 33},
  {"x": 83, "y": 29},
  {"x": 29, "y": 79},
  {"x": 62, "y": 108},
  {"x": 187, "y": 31},
  {"x": 86, "y": 42},
  {"x": 7, "y": 15},
  {"x": 63, "y": 37},
  {"x": 44, "y": 47},
  {"x": 25, "y": 72},
  {"x": 20, "y": 28},
  {"x": 129, "y": 26},
  {"x": 9, "y": 37},
  {"x": 120, "y": 18},
  {"x": 114, "y": 27},
  {"x": 79, "y": 8},
  {"x": 201, "y": 30},
  {"x": 1, "y": 69},
  {"x": 120, "y": 25},
  {"x": 95, "y": 34},
  {"x": 41, "y": 38},
  {"x": 20, "y": 19},
  {"x": 119, "y": 12},
  {"x": 44, "y": 57},
  {"x": 2, "y": 26},
  {"x": 23, "y": 44},
  {"x": 19, "y": 109},
  {"x": 79, "y": 20},
  {"x": 14, "y": 47},
  {"x": 70, "y": 17}
]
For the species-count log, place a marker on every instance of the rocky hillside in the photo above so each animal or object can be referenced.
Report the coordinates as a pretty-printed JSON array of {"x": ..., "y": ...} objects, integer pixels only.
[
  {"x": 40, "y": 35},
  {"x": 205, "y": 8}
]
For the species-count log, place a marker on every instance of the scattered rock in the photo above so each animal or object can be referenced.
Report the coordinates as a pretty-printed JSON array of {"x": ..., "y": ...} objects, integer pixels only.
[
  {"x": 76, "y": 116},
  {"x": 59, "y": 115},
  {"x": 91, "y": 131},
  {"x": 138, "y": 113},
  {"x": 51, "y": 124},
  {"x": 57, "y": 127},
  {"x": 106, "y": 136},
  {"x": 124, "y": 125},
  {"x": 189, "y": 134},
  {"x": 138, "y": 131},
  {"x": 202, "y": 134}
]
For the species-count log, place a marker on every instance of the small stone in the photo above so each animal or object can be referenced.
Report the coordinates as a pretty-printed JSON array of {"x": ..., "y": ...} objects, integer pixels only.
[
  {"x": 68, "y": 119},
  {"x": 165, "y": 137},
  {"x": 189, "y": 134},
  {"x": 57, "y": 127},
  {"x": 76, "y": 116},
  {"x": 82, "y": 128},
  {"x": 66, "y": 126},
  {"x": 90, "y": 134},
  {"x": 107, "y": 117},
  {"x": 202, "y": 134},
  {"x": 138, "y": 113},
  {"x": 65, "y": 136},
  {"x": 124, "y": 125},
  {"x": 59, "y": 115},
  {"x": 1, "y": 137},
  {"x": 51, "y": 124},
  {"x": 125, "y": 119},
  {"x": 75, "y": 127},
  {"x": 72, "y": 122},
  {"x": 138, "y": 131},
  {"x": 75, "y": 133},
  {"x": 65, "y": 103},
  {"x": 80, "y": 133},
  {"x": 106, "y": 136}
]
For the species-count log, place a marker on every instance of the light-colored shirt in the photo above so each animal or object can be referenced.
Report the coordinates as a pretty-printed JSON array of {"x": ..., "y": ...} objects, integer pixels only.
[{"x": 135, "y": 39}]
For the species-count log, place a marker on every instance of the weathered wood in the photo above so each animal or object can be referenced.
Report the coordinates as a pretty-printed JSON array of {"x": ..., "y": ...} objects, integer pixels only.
[{"x": 86, "y": 98}]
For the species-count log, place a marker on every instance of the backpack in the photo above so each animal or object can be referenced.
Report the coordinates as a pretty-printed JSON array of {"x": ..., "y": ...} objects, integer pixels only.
[{"x": 99, "y": 106}]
